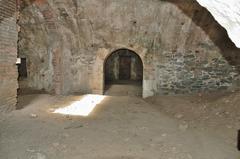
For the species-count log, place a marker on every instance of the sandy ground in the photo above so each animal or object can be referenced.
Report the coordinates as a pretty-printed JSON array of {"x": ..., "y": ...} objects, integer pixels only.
[{"x": 172, "y": 127}]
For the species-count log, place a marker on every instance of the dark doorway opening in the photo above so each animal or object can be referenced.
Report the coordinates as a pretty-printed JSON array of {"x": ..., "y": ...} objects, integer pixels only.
[
  {"x": 22, "y": 69},
  {"x": 22, "y": 77},
  {"x": 123, "y": 72},
  {"x": 25, "y": 94}
]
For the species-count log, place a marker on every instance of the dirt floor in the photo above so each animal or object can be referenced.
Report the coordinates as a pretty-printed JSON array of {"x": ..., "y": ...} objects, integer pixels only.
[
  {"x": 124, "y": 89},
  {"x": 167, "y": 127}
]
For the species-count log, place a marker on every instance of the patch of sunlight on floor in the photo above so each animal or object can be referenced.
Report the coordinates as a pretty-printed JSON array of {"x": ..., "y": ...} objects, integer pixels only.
[{"x": 82, "y": 107}]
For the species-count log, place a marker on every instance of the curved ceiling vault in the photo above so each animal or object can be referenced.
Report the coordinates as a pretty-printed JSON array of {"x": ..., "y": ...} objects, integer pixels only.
[{"x": 227, "y": 13}]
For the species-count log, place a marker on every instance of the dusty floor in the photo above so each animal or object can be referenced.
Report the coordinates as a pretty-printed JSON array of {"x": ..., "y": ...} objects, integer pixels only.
[
  {"x": 127, "y": 89},
  {"x": 173, "y": 127}
]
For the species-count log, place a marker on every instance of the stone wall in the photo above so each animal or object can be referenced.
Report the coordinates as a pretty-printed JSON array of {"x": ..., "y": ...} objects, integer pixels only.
[
  {"x": 8, "y": 55},
  {"x": 182, "y": 47}
]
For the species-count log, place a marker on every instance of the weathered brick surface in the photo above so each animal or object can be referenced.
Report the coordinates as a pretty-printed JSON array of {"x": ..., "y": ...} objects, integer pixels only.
[{"x": 8, "y": 55}]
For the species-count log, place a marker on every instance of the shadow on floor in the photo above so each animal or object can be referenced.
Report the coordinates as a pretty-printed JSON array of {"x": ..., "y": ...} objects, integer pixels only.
[
  {"x": 123, "y": 88},
  {"x": 26, "y": 96}
]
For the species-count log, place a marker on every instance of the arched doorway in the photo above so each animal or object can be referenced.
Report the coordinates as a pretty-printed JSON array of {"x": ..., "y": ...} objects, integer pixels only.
[{"x": 123, "y": 73}]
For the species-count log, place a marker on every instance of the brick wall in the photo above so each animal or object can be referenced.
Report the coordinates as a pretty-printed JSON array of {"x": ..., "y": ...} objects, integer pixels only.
[{"x": 8, "y": 55}]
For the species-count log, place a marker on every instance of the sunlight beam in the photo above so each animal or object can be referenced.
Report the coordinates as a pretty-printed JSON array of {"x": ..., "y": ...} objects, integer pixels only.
[{"x": 82, "y": 107}]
